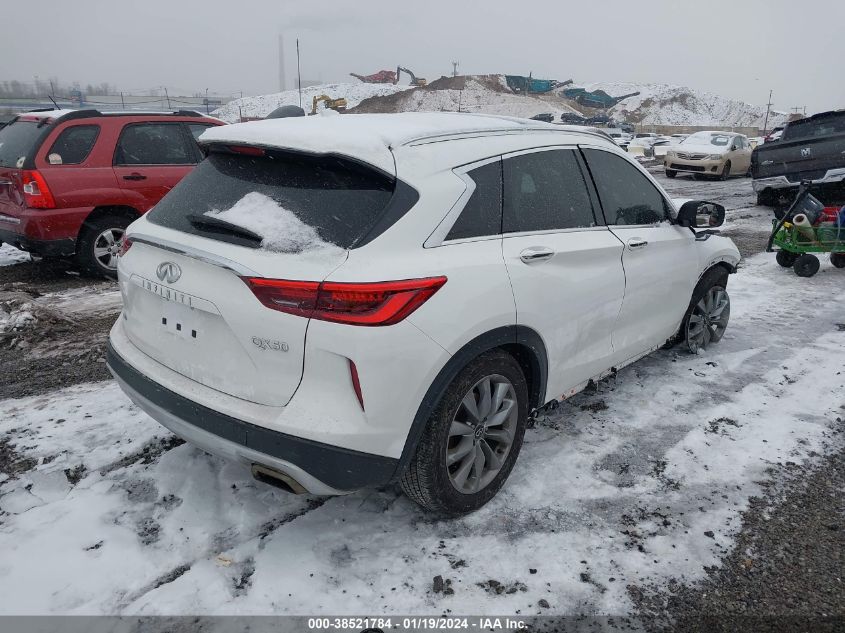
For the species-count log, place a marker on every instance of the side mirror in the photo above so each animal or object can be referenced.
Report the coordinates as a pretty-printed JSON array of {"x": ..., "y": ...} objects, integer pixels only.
[{"x": 697, "y": 214}]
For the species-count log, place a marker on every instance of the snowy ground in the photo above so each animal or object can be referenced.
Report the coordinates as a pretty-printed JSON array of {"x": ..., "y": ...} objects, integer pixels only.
[{"x": 636, "y": 484}]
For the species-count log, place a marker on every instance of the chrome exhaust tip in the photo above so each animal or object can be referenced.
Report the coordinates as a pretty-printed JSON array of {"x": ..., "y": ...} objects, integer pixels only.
[{"x": 278, "y": 479}]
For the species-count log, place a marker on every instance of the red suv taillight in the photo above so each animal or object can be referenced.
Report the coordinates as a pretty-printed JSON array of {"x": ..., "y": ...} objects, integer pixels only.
[
  {"x": 376, "y": 303},
  {"x": 36, "y": 193},
  {"x": 123, "y": 246}
]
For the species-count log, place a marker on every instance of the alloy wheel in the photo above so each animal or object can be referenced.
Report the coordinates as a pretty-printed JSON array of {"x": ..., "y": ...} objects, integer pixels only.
[
  {"x": 709, "y": 319},
  {"x": 481, "y": 434},
  {"x": 106, "y": 248}
]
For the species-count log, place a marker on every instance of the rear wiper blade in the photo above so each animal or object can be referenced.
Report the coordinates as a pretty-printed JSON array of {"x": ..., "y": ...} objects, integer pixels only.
[{"x": 210, "y": 222}]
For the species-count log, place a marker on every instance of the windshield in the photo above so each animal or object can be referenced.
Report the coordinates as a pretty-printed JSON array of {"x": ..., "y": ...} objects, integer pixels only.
[
  {"x": 707, "y": 138},
  {"x": 279, "y": 196},
  {"x": 17, "y": 141}
]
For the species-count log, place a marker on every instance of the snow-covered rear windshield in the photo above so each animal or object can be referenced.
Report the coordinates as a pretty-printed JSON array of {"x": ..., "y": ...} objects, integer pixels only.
[
  {"x": 293, "y": 202},
  {"x": 17, "y": 141},
  {"x": 704, "y": 138}
]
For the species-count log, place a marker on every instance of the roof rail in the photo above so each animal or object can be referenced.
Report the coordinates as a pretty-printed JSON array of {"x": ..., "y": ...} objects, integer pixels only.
[{"x": 188, "y": 113}]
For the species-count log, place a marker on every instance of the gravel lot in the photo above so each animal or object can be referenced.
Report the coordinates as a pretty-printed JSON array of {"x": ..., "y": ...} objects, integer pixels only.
[{"x": 783, "y": 563}]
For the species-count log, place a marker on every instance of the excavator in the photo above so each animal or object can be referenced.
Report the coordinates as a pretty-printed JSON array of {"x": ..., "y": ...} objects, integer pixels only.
[
  {"x": 338, "y": 104},
  {"x": 390, "y": 77},
  {"x": 381, "y": 77},
  {"x": 596, "y": 98},
  {"x": 415, "y": 81}
]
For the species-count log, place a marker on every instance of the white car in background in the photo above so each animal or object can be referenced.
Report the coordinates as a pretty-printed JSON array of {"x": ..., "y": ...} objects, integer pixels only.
[
  {"x": 712, "y": 154},
  {"x": 341, "y": 302}
]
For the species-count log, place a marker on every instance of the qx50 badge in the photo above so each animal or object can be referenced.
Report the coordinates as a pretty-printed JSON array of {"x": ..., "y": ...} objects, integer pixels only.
[
  {"x": 265, "y": 343},
  {"x": 168, "y": 272}
]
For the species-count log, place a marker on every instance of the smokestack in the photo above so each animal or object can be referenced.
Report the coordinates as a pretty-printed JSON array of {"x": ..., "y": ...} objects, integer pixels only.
[{"x": 282, "y": 82}]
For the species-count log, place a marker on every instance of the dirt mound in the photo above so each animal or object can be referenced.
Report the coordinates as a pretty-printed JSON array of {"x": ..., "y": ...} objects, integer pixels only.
[{"x": 487, "y": 94}]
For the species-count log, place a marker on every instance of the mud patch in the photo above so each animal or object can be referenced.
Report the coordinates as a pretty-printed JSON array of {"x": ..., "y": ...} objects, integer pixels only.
[
  {"x": 498, "y": 588},
  {"x": 76, "y": 474},
  {"x": 13, "y": 463},
  {"x": 148, "y": 531},
  {"x": 147, "y": 454}
]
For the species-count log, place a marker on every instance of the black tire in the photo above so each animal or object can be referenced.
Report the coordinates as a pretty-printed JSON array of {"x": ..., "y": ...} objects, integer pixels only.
[
  {"x": 89, "y": 238},
  {"x": 838, "y": 259},
  {"x": 426, "y": 479},
  {"x": 671, "y": 173},
  {"x": 713, "y": 278},
  {"x": 765, "y": 198},
  {"x": 806, "y": 265},
  {"x": 726, "y": 171},
  {"x": 785, "y": 258}
]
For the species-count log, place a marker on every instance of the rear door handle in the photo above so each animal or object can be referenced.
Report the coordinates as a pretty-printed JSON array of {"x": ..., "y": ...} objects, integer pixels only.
[
  {"x": 134, "y": 177},
  {"x": 4, "y": 182},
  {"x": 637, "y": 243},
  {"x": 536, "y": 254}
]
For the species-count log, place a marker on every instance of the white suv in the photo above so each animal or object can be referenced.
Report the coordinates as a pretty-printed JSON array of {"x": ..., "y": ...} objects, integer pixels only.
[{"x": 345, "y": 301}]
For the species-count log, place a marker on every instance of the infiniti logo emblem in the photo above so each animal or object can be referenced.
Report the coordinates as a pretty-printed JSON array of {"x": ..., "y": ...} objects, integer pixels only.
[{"x": 169, "y": 272}]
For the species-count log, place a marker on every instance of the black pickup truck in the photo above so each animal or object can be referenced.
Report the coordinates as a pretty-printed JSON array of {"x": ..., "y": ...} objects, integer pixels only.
[{"x": 810, "y": 149}]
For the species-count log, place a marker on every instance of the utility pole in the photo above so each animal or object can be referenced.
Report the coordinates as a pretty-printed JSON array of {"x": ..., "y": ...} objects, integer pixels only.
[
  {"x": 207, "y": 110},
  {"x": 166, "y": 96},
  {"x": 298, "y": 73},
  {"x": 122, "y": 103},
  {"x": 768, "y": 107}
]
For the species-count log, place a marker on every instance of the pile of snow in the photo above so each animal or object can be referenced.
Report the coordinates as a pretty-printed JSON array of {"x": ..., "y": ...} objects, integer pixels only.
[
  {"x": 281, "y": 230},
  {"x": 15, "y": 315},
  {"x": 476, "y": 95},
  {"x": 10, "y": 255},
  {"x": 262, "y": 105},
  {"x": 666, "y": 104}
]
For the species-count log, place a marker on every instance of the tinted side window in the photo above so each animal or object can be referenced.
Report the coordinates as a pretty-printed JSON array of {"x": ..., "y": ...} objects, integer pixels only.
[
  {"x": 154, "y": 144},
  {"x": 73, "y": 145},
  {"x": 482, "y": 214},
  {"x": 626, "y": 195},
  {"x": 545, "y": 191}
]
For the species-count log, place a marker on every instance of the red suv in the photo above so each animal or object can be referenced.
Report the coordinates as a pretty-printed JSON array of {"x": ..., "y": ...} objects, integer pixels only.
[{"x": 71, "y": 181}]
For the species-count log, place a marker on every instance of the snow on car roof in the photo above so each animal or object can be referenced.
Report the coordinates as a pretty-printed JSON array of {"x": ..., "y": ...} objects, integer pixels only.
[
  {"x": 368, "y": 137},
  {"x": 46, "y": 114}
]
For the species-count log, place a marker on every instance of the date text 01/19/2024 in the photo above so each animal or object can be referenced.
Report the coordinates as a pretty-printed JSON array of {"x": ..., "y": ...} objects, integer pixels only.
[{"x": 422, "y": 623}]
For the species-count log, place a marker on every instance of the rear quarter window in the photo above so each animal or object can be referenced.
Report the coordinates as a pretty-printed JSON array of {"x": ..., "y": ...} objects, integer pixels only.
[
  {"x": 339, "y": 199},
  {"x": 73, "y": 145},
  {"x": 482, "y": 214}
]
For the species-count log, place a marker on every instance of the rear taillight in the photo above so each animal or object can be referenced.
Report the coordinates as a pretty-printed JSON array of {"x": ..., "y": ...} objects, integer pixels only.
[
  {"x": 376, "y": 303},
  {"x": 36, "y": 193},
  {"x": 124, "y": 246}
]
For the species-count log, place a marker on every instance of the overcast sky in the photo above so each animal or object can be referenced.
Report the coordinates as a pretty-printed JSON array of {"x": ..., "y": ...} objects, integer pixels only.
[{"x": 739, "y": 49}]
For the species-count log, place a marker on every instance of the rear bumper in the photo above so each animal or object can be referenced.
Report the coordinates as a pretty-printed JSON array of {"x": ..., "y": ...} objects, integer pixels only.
[
  {"x": 44, "y": 231},
  {"x": 318, "y": 468},
  {"x": 782, "y": 182},
  {"x": 47, "y": 248}
]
